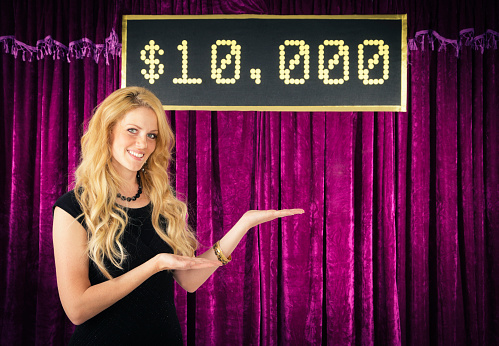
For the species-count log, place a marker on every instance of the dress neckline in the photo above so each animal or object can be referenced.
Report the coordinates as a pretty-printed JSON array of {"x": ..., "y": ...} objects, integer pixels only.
[{"x": 130, "y": 208}]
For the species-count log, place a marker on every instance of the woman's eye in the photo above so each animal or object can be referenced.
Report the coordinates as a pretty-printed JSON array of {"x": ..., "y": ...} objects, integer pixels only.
[
  {"x": 153, "y": 136},
  {"x": 132, "y": 130}
]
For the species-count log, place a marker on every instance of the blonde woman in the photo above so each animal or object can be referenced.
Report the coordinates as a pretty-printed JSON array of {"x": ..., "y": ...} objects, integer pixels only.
[{"x": 121, "y": 236}]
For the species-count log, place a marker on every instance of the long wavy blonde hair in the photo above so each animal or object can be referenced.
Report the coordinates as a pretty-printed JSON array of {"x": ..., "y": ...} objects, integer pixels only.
[{"x": 97, "y": 183}]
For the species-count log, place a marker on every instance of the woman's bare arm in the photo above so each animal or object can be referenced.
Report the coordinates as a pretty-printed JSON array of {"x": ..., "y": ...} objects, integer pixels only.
[
  {"x": 80, "y": 300},
  {"x": 192, "y": 279}
]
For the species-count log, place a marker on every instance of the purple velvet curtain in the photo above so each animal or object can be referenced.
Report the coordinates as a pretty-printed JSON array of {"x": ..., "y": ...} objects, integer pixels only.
[{"x": 400, "y": 240}]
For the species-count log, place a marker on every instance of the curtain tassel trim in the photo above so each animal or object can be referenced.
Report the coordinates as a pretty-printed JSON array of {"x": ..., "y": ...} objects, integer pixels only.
[
  {"x": 83, "y": 48},
  {"x": 487, "y": 40}
]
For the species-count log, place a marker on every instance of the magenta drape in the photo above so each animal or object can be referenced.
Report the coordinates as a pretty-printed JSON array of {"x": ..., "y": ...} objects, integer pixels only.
[{"x": 400, "y": 240}]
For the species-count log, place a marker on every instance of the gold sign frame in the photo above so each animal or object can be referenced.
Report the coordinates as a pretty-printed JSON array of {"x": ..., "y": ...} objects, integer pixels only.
[{"x": 402, "y": 107}]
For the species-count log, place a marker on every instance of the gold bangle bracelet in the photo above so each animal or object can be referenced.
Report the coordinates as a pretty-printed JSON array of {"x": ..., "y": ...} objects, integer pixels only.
[{"x": 220, "y": 255}]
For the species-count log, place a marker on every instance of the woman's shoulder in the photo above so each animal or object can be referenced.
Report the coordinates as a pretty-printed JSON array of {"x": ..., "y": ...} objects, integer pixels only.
[{"x": 69, "y": 204}]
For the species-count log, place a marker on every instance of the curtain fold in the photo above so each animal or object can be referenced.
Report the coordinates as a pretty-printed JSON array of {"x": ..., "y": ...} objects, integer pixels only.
[{"x": 400, "y": 240}]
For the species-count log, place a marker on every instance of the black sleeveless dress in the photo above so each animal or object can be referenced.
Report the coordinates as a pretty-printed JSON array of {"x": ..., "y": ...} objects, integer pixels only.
[{"x": 147, "y": 315}]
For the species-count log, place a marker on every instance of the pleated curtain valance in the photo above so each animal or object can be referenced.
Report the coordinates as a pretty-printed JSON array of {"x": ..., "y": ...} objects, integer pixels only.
[{"x": 85, "y": 48}]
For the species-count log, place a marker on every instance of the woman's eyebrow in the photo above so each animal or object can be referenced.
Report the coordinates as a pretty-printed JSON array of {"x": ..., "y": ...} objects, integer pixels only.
[{"x": 140, "y": 128}]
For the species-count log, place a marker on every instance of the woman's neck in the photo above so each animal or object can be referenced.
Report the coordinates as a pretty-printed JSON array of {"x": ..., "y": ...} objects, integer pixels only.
[{"x": 130, "y": 184}]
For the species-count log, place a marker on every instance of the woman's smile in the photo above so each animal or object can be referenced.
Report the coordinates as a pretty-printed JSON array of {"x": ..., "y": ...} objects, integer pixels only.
[{"x": 136, "y": 154}]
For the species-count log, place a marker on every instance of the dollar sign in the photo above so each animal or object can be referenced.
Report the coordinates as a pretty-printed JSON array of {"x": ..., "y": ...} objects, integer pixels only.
[{"x": 151, "y": 61}]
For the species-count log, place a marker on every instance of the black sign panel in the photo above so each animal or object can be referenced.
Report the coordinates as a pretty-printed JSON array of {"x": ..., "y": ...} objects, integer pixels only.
[{"x": 281, "y": 63}]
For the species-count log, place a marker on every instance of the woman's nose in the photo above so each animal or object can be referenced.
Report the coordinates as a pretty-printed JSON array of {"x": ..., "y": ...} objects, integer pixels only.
[{"x": 141, "y": 142}]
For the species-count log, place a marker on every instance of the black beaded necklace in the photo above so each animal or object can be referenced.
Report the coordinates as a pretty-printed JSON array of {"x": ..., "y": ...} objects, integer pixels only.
[{"x": 139, "y": 192}]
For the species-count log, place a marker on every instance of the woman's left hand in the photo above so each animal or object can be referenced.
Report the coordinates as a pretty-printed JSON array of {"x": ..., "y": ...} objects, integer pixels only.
[{"x": 253, "y": 218}]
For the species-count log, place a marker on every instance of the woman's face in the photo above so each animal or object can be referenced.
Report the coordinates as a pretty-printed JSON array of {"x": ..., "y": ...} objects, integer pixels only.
[{"x": 133, "y": 139}]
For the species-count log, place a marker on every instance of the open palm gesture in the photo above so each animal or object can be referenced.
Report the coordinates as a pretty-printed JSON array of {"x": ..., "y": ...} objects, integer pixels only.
[{"x": 253, "y": 218}]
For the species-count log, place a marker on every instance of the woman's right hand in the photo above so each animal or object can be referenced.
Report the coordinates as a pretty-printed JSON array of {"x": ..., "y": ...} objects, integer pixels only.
[{"x": 166, "y": 261}]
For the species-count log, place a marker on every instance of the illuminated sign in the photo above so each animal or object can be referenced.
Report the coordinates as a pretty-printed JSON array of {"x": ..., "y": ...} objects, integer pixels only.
[{"x": 279, "y": 63}]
